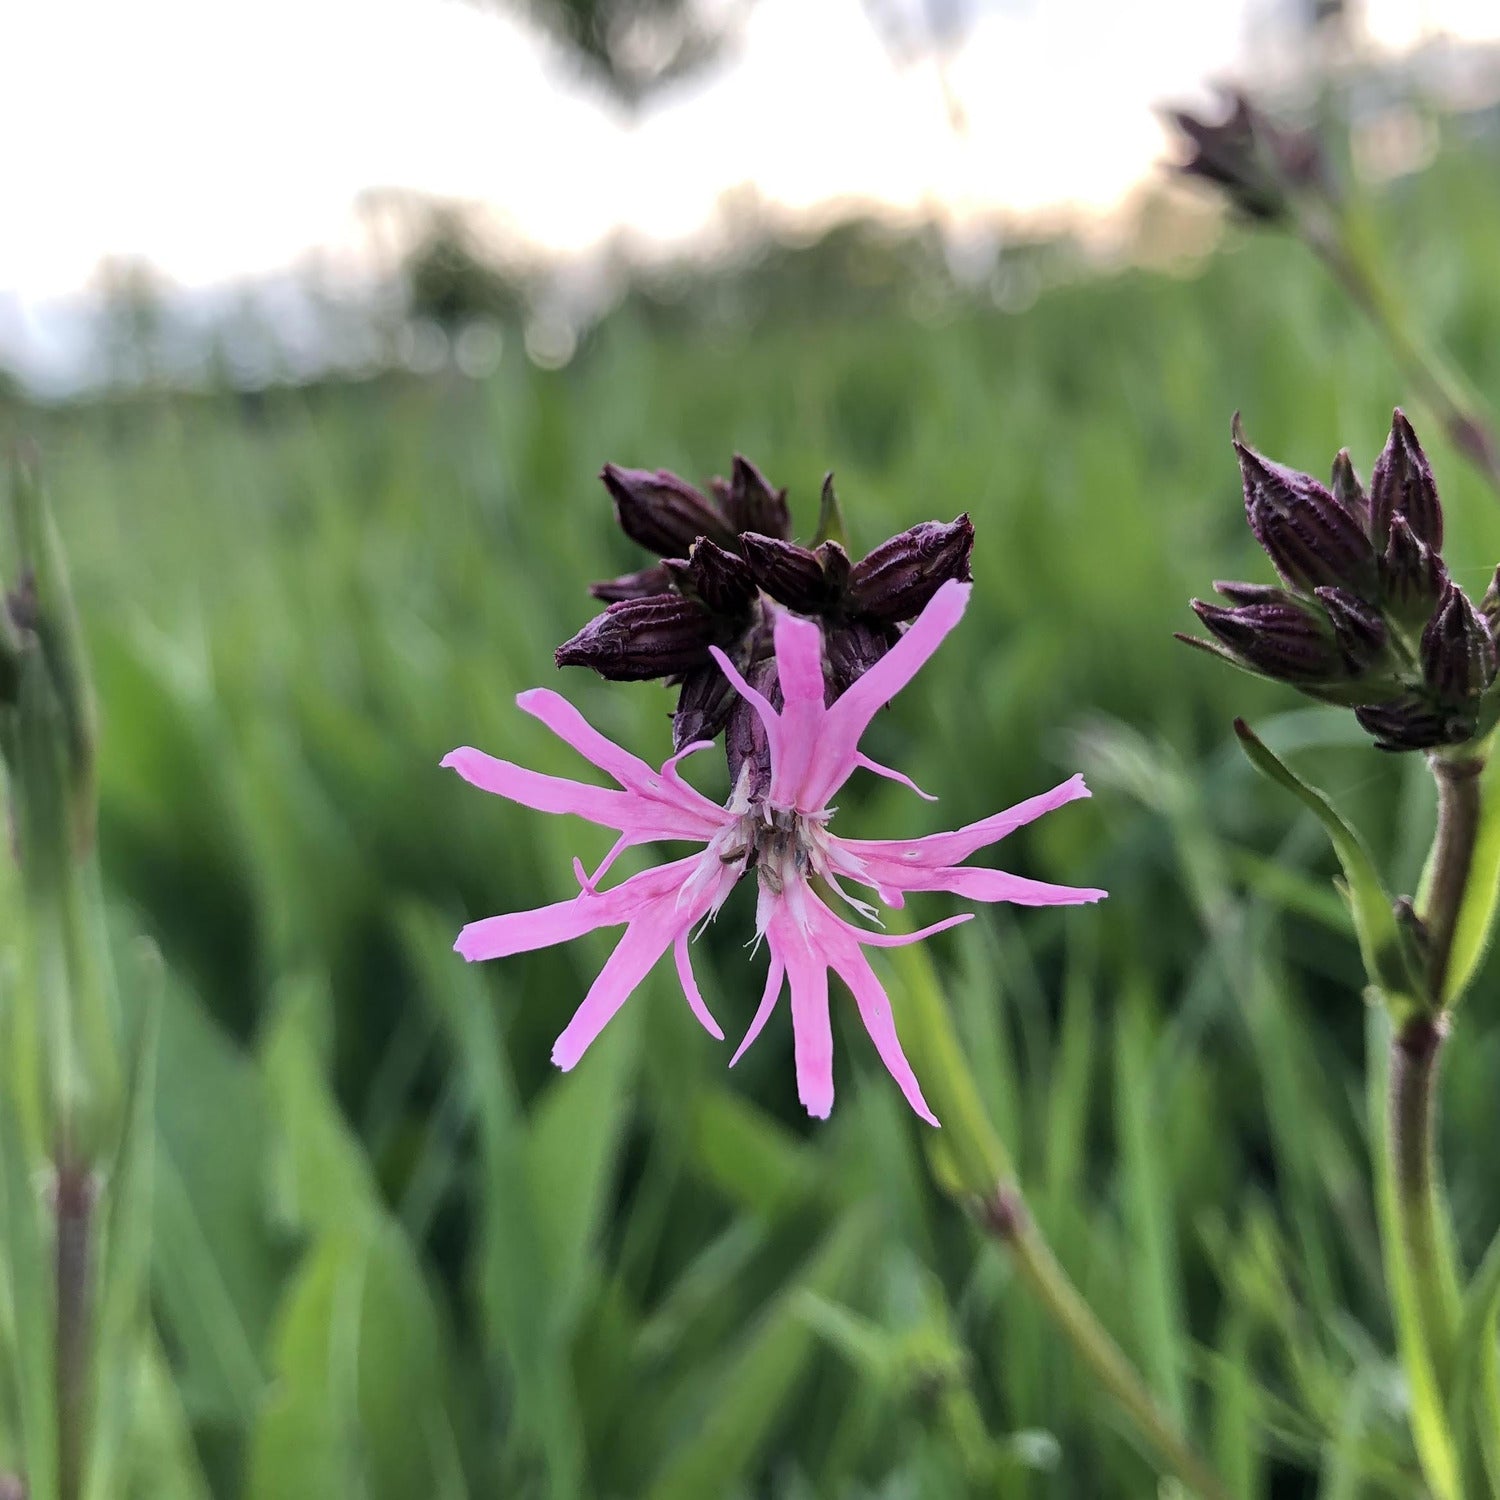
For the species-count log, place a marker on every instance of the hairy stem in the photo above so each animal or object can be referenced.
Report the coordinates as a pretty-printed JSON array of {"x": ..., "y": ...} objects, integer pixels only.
[
  {"x": 1412, "y": 1105},
  {"x": 1006, "y": 1218},
  {"x": 1452, "y": 860}
]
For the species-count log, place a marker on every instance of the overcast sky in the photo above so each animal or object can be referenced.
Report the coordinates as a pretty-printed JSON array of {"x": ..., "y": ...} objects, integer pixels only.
[{"x": 222, "y": 142}]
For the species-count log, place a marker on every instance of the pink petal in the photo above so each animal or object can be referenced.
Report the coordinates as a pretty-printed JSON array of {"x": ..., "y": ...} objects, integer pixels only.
[
  {"x": 812, "y": 1030},
  {"x": 864, "y": 762},
  {"x": 976, "y": 883},
  {"x": 758, "y": 701},
  {"x": 852, "y": 711},
  {"x": 949, "y": 848},
  {"x": 875, "y": 1011},
  {"x": 552, "y": 794},
  {"x": 900, "y": 939},
  {"x": 799, "y": 669},
  {"x": 635, "y": 955},
  {"x": 768, "y": 999},
  {"x": 524, "y": 931},
  {"x": 629, "y": 770},
  {"x": 690, "y": 988}
]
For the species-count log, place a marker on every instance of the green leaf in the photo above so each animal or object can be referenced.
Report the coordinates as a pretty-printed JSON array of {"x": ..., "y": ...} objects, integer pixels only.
[
  {"x": 1381, "y": 941},
  {"x": 1474, "y": 1355}
]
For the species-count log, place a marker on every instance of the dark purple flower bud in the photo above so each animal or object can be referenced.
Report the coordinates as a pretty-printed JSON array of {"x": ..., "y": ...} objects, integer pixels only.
[
  {"x": 751, "y": 504},
  {"x": 1412, "y": 575},
  {"x": 665, "y": 514},
  {"x": 745, "y": 742},
  {"x": 717, "y": 579},
  {"x": 653, "y": 580},
  {"x": 635, "y": 640},
  {"x": 854, "y": 648},
  {"x": 1401, "y": 484},
  {"x": 900, "y": 576},
  {"x": 1347, "y": 489},
  {"x": 1255, "y": 162},
  {"x": 703, "y": 705},
  {"x": 1458, "y": 655},
  {"x": 1414, "y": 724},
  {"x": 1489, "y": 606},
  {"x": 1252, "y": 593},
  {"x": 790, "y": 574},
  {"x": 1358, "y": 627},
  {"x": 1284, "y": 641},
  {"x": 1309, "y": 536}
]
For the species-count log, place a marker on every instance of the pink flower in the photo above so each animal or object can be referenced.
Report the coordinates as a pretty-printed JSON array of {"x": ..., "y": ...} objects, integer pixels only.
[{"x": 783, "y": 836}]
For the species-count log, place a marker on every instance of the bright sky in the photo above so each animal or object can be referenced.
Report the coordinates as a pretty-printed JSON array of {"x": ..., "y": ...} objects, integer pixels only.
[{"x": 225, "y": 141}]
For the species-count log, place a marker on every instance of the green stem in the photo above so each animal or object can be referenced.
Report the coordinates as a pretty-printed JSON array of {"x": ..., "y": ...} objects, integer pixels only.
[
  {"x": 73, "y": 1208},
  {"x": 1412, "y": 1119},
  {"x": 1353, "y": 266},
  {"x": 970, "y": 1160},
  {"x": 1452, "y": 861},
  {"x": 1006, "y": 1218}
]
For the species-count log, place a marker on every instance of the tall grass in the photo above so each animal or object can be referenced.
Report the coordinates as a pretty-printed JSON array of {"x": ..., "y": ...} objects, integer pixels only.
[{"x": 393, "y": 1254}]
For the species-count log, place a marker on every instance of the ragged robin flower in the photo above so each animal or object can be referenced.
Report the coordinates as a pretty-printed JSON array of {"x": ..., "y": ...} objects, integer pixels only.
[
  {"x": 781, "y": 833},
  {"x": 726, "y": 555},
  {"x": 1366, "y": 615}
]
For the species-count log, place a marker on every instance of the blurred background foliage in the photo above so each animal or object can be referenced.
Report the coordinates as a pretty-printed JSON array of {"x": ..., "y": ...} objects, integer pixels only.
[{"x": 394, "y": 1254}]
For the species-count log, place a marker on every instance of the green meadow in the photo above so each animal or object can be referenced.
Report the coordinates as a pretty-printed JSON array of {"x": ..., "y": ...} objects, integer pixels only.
[{"x": 393, "y": 1254}]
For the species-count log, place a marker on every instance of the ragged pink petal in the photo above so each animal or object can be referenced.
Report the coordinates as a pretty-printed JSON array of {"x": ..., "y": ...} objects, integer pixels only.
[
  {"x": 812, "y": 1029},
  {"x": 629, "y": 770},
  {"x": 875, "y": 1011},
  {"x": 976, "y": 883},
  {"x": 950, "y": 848},
  {"x": 645, "y": 941},
  {"x": 525, "y": 931},
  {"x": 863, "y": 762},
  {"x": 689, "y": 982},
  {"x": 768, "y": 999},
  {"x": 552, "y": 794},
  {"x": 852, "y": 711}
]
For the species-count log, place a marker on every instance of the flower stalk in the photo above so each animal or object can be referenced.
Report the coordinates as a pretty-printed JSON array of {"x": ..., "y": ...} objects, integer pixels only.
[
  {"x": 971, "y": 1162},
  {"x": 1007, "y": 1220}
]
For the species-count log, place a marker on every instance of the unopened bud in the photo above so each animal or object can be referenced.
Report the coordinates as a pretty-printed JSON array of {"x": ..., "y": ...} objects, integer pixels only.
[
  {"x": 1401, "y": 484},
  {"x": 663, "y": 513},
  {"x": 653, "y": 580},
  {"x": 1347, "y": 489},
  {"x": 752, "y": 505},
  {"x": 1252, "y": 593},
  {"x": 745, "y": 742},
  {"x": 1255, "y": 162},
  {"x": 717, "y": 579},
  {"x": 635, "y": 640},
  {"x": 1357, "y": 626},
  {"x": 1283, "y": 641},
  {"x": 1414, "y": 724},
  {"x": 1458, "y": 653},
  {"x": 1309, "y": 536},
  {"x": 703, "y": 705},
  {"x": 854, "y": 648},
  {"x": 1412, "y": 575},
  {"x": 1489, "y": 606},
  {"x": 790, "y": 574},
  {"x": 896, "y": 580}
]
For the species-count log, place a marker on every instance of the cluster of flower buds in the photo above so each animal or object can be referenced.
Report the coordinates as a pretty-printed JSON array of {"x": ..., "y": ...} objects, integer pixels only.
[
  {"x": 1366, "y": 614},
  {"x": 724, "y": 554},
  {"x": 1256, "y": 164}
]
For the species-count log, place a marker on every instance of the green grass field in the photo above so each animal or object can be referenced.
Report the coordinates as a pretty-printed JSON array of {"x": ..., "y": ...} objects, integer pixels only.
[{"x": 394, "y": 1255}]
